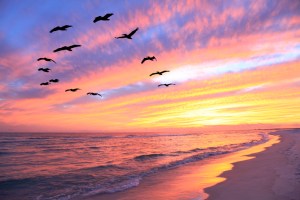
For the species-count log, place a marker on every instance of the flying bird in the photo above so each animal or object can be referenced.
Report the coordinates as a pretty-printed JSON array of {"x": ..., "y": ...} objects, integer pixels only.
[
  {"x": 72, "y": 90},
  {"x": 46, "y": 59},
  {"x": 103, "y": 18},
  {"x": 44, "y": 69},
  {"x": 54, "y": 80},
  {"x": 159, "y": 73},
  {"x": 167, "y": 85},
  {"x": 60, "y": 28},
  {"x": 148, "y": 58},
  {"x": 93, "y": 94},
  {"x": 45, "y": 83},
  {"x": 67, "y": 48},
  {"x": 128, "y": 36}
]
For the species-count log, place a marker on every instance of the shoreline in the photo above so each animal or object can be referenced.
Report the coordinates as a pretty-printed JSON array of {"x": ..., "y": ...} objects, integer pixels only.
[
  {"x": 273, "y": 174},
  {"x": 188, "y": 181}
]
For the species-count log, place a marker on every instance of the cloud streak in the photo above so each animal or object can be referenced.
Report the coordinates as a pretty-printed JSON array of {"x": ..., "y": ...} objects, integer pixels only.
[{"x": 233, "y": 63}]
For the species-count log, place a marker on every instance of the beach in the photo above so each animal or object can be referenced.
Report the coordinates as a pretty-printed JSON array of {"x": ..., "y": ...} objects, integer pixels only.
[
  {"x": 273, "y": 174},
  {"x": 252, "y": 164},
  {"x": 110, "y": 166},
  {"x": 268, "y": 171}
]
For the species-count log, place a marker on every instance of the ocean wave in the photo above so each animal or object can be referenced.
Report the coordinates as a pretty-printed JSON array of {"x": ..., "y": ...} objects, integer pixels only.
[
  {"x": 100, "y": 167},
  {"x": 156, "y": 135},
  {"x": 103, "y": 137},
  {"x": 94, "y": 147},
  {"x": 56, "y": 150},
  {"x": 129, "y": 181},
  {"x": 149, "y": 156},
  {"x": 189, "y": 151},
  {"x": 9, "y": 153},
  {"x": 120, "y": 186},
  {"x": 110, "y": 177},
  {"x": 4, "y": 153}
]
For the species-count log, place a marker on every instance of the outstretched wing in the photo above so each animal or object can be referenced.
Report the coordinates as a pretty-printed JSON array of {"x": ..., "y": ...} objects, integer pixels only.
[
  {"x": 52, "y": 61},
  {"x": 66, "y": 26},
  {"x": 40, "y": 59},
  {"x": 123, "y": 36},
  {"x": 74, "y": 45},
  {"x": 160, "y": 85},
  {"x": 153, "y": 74},
  {"x": 133, "y": 32},
  {"x": 55, "y": 29},
  {"x": 144, "y": 59},
  {"x": 97, "y": 19},
  {"x": 164, "y": 71},
  {"x": 60, "y": 49},
  {"x": 108, "y": 15}
]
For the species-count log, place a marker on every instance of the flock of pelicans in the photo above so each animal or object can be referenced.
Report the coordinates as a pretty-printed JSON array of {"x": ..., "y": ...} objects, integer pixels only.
[{"x": 69, "y": 48}]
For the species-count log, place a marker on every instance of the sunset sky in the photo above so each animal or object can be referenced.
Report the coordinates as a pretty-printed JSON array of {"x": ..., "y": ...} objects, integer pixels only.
[{"x": 234, "y": 62}]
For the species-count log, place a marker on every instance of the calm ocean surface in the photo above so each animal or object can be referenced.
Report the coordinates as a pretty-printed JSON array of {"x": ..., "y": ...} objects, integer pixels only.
[{"x": 66, "y": 166}]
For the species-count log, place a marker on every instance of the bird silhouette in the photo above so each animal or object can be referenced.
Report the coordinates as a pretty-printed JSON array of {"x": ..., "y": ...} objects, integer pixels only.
[
  {"x": 103, "y": 18},
  {"x": 45, "y": 83},
  {"x": 46, "y": 59},
  {"x": 167, "y": 85},
  {"x": 44, "y": 69},
  {"x": 54, "y": 80},
  {"x": 72, "y": 90},
  {"x": 67, "y": 48},
  {"x": 148, "y": 58},
  {"x": 60, "y": 28},
  {"x": 128, "y": 36},
  {"x": 93, "y": 94},
  {"x": 159, "y": 73}
]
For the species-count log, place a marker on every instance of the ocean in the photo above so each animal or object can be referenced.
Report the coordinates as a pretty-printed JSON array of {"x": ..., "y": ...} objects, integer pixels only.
[{"x": 74, "y": 165}]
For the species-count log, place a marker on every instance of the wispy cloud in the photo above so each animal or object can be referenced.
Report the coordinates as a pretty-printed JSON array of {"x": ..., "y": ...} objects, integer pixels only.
[{"x": 232, "y": 62}]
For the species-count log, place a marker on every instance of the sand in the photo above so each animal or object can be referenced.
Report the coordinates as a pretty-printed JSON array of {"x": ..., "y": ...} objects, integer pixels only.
[
  {"x": 268, "y": 171},
  {"x": 273, "y": 174}
]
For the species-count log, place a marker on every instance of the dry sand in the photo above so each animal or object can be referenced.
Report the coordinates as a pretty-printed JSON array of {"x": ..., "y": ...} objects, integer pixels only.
[{"x": 273, "y": 175}]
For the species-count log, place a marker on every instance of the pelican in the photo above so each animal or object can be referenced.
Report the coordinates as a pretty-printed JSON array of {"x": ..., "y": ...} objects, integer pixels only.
[
  {"x": 128, "y": 36},
  {"x": 46, "y": 59},
  {"x": 54, "y": 80},
  {"x": 167, "y": 85},
  {"x": 44, "y": 69},
  {"x": 45, "y": 83},
  {"x": 93, "y": 94},
  {"x": 60, "y": 28},
  {"x": 148, "y": 58},
  {"x": 72, "y": 90},
  {"x": 159, "y": 73},
  {"x": 67, "y": 48},
  {"x": 103, "y": 18}
]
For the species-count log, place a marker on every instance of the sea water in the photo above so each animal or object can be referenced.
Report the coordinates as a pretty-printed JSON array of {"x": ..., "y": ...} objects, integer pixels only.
[{"x": 74, "y": 165}]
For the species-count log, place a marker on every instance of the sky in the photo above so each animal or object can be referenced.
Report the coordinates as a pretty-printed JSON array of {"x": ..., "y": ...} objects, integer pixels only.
[{"x": 235, "y": 63}]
